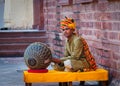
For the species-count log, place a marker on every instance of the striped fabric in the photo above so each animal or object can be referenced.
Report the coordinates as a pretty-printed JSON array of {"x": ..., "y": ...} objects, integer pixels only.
[
  {"x": 68, "y": 22},
  {"x": 88, "y": 56}
]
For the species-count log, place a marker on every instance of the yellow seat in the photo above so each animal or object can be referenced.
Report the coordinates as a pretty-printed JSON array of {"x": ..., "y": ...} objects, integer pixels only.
[{"x": 61, "y": 76}]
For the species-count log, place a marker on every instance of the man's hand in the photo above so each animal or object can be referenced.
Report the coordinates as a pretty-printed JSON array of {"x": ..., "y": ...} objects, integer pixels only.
[
  {"x": 47, "y": 61},
  {"x": 56, "y": 60}
]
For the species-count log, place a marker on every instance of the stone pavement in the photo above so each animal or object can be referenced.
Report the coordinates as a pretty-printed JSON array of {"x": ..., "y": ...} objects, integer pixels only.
[{"x": 11, "y": 73}]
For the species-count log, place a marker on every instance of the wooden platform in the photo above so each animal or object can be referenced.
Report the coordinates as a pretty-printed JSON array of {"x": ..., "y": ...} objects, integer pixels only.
[{"x": 58, "y": 76}]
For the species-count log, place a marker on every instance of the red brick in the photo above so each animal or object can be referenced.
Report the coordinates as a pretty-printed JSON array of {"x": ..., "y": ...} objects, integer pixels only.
[
  {"x": 114, "y": 35},
  {"x": 97, "y": 58},
  {"x": 89, "y": 8},
  {"x": 82, "y": 24},
  {"x": 118, "y": 75},
  {"x": 105, "y": 35},
  {"x": 102, "y": 6},
  {"x": 106, "y": 54},
  {"x": 106, "y": 62},
  {"x": 82, "y": 16},
  {"x": 116, "y": 26},
  {"x": 89, "y": 16},
  {"x": 113, "y": 64},
  {"x": 82, "y": 8},
  {"x": 114, "y": 6},
  {"x": 87, "y": 32},
  {"x": 103, "y": 16},
  {"x": 51, "y": 16},
  {"x": 111, "y": 7},
  {"x": 115, "y": 16},
  {"x": 81, "y": 31},
  {"x": 51, "y": 10},
  {"x": 67, "y": 9},
  {"x": 115, "y": 74},
  {"x": 106, "y": 46},
  {"x": 75, "y": 16},
  {"x": 86, "y": 24},
  {"x": 115, "y": 48},
  {"x": 97, "y": 45},
  {"x": 51, "y": 3},
  {"x": 98, "y": 25},
  {"x": 75, "y": 8},
  {"x": 99, "y": 52},
  {"x": 116, "y": 56},
  {"x": 118, "y": 65},
  {"x": 98, "y": 34}
]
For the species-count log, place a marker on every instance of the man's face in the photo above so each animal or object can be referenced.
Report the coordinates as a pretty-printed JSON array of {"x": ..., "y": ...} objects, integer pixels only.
[{"x": 67, "y": 32}]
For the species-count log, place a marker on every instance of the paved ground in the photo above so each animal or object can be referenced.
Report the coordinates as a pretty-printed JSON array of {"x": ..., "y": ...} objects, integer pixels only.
[{"x": 11, "y": 73}]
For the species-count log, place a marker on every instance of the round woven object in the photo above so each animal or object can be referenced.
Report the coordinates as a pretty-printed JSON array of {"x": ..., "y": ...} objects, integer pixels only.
[{"x": 37, "y": 56}]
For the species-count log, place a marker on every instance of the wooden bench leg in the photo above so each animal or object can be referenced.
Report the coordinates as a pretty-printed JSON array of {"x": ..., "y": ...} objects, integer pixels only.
[
  {"x": 60, "y": 83},
  {"x": 82, "y": 83},
  {"x": 103, "y": 83},
  {"x": 63, "y": 83},
  {"x": 28, "y": 84},
  {"x": 70, "y": 84}
]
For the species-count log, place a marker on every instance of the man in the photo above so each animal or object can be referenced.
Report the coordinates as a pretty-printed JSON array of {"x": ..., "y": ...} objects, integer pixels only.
[{"x": 77, "y": 56}]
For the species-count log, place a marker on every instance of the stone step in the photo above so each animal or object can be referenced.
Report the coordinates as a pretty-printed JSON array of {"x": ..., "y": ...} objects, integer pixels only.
[
  {"x": 13, "y": 43},
  {"x": 9, "y": 33},
  {"x": 13, "y": 46},
  {"x": 22, "y": 40},
  {"x": 13, "y": 53}
]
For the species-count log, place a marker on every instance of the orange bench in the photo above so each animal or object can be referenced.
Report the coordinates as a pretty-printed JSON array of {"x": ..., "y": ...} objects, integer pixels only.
[{"x": 100, "y": 75}]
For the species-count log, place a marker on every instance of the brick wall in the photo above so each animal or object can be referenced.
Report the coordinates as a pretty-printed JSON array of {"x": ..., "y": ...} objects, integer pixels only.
[
  {"x": 99, "y": 23},
  {"x": 52, "y": 18}
]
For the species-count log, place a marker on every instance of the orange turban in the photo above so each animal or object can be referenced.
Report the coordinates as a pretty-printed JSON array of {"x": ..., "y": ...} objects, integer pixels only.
[{"x": 68, "y": 22}]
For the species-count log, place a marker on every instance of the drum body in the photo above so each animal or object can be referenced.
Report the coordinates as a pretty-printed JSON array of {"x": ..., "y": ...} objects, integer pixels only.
[{"x": 36, "y": 54}]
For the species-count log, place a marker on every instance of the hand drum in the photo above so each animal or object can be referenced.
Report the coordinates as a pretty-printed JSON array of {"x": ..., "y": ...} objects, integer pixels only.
[{"x": 37, "y": 56}]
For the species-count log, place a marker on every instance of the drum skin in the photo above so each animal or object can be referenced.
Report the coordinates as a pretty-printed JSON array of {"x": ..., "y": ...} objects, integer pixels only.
[{"x": 36, "y": 54}]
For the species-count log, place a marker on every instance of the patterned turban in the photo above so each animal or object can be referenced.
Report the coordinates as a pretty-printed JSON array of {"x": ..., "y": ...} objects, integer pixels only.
[{"x": 68, "y": 22}]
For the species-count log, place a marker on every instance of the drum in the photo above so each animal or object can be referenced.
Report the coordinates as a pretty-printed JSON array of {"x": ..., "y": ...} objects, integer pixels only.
[{"x": 37, "y": 56}]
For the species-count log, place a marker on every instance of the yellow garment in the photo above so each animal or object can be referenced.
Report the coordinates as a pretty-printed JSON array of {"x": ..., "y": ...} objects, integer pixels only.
[
  {"x": 68, "y": 22},
  {"x": 61, "y": 76}
]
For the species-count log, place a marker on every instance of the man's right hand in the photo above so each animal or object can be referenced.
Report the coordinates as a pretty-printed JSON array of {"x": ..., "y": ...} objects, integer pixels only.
[{"x": 56, "y": 60}]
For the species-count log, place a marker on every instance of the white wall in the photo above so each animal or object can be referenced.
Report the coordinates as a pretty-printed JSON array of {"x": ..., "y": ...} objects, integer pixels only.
[
  {"x": 18, "y": 14},
  {"x": 1, "y": 13}
]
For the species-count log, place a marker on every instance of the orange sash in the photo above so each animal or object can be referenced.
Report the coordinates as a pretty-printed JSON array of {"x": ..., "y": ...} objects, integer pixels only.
[{"x": 88, "y": 55}]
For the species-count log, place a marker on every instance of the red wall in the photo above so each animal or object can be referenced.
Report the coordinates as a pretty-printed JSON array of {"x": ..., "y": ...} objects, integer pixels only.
[{"x": 99, "y": 23}]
